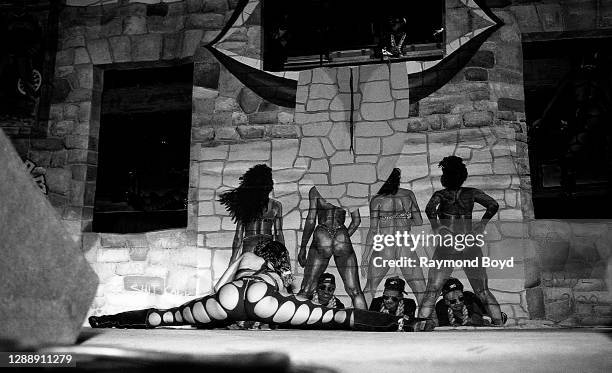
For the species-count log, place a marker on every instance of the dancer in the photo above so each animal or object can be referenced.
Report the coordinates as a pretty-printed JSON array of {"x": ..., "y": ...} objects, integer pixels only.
[
  {"x": 450, "y": 212},
  {"x": 258, "y": 217},
  {"x": 253, "y": 288},
  {"x": 331, "y": 238},
  {"x": 392, "y": 210}
]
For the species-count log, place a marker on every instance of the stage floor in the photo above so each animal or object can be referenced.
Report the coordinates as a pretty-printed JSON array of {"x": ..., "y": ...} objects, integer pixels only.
[{"x": 490, "y": 350}]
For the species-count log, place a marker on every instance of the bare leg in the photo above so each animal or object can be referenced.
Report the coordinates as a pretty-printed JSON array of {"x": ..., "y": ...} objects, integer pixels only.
[
  {"x": 435, "y": 280},
  {"x": 346, "y": 260},
  {"x": 375, "y": 276},
  {"x": 415, "y": 278},
  {"x": 318, "y": 258},
  {"x": 479, "y": 281}
]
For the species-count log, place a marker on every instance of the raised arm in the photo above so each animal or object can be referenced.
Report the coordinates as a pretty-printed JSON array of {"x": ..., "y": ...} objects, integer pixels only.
[
  {"x": 309, "y": 225},
  {"x": 278, "y": 223},
  {"x": 237, "y": 243},
  {"x": 374, "y": 220}
]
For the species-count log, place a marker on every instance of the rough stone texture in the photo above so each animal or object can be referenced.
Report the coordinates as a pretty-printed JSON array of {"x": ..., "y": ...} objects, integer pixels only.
[
  {"x": 473, "y": 116},
  {"x": 31, "y": 280}
]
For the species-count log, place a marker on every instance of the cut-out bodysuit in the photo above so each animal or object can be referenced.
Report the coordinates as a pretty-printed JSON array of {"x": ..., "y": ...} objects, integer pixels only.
[{"x": 253, "y": 296}]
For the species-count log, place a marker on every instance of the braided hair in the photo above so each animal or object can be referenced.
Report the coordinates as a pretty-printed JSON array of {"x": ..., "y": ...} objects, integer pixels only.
[
  {"x": 454, "y": 172},
  {"x": 330, "y": 304},
  {"x": 249, "y": 200},
  {"x": 465, "y": 317}
]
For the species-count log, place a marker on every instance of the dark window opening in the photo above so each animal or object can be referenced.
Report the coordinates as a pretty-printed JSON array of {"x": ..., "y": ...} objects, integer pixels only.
[
  {"x": 568, "y": 103},
  {"x": 143, "y": 152},
  {"x": 308, "y": 33}
]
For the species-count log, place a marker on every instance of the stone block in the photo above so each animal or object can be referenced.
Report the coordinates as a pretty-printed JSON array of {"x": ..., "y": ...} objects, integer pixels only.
[
  {"x": 311, "y": 147},
  {"x": 322, "y": 91},
  {"x": 205, "y": 21},
  {"x": 316, "y": 129},
  {"x": 353, "y": 173},
  {"x": 527, "y": 18},
  {"x": 476, "y": 74},
  {"x": 227, "y": 134},
  {"x": 250, "y": 152},
  {"x": 81, "y": 56},
  {"x": 324, "y": 75},
  {"x": 452, "y": 121},
  {"x": 376, "y": 91},
  {"x": 219, "y": 240},
  {"x": 58, "y": 180},
  {"x": 378, "y": 111},
  {"x": 282, "y": 131},
  {"x": 340, "y": 157},
  {"x": 373, "y": 129},
  {"x": 510, "y": 104},
  {"x": 99, "y": 51},
  {"x": 209, "y": 224},
  {"x": 263, "y": 118},
  {"x": 284, "y": 153},
  {"x": 30, "y": 280},
  {"x": 121, "y": 48},
  {"x": 251, "y": 132},
  {"x": 478, "y": 119},
  {"x": 368, "y": 73},
  {"x": 191, "y": 41},
  {"x": 146, "y": 47},
  {"x": 135, "y": 25},
  {"x": 64, "y": 57},
  {"x": 413, "y": 166}
]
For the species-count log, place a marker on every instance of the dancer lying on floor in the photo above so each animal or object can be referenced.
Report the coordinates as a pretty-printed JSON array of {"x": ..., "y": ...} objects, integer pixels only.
[{"x": 253, "y": 288}]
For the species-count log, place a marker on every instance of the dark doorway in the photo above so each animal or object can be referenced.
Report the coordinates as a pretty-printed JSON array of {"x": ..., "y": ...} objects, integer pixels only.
[
  {"x": 143, "y": 159},
  {"x": 568, "y": 102}
]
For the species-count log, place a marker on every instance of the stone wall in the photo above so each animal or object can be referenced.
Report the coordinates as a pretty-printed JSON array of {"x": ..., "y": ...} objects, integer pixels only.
[
  {"x": 162, "y": 268},
  {"x": 478, "y": 115}
]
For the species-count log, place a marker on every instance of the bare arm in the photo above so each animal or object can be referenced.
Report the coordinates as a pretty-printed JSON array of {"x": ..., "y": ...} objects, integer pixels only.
[
  {"x": 415, "y": 212},
  {"x": 278, "y": 224},
  {"x": 431, "y": 211},
  {"x": 487, "y": 202},
  {"x": 355, "y": 222},
  {"x": 309, "y": 225},
  {"x": 237, "y": 244}
]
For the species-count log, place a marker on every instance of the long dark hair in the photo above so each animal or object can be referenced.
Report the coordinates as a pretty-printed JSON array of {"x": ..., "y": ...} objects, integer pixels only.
[
  {"x": 277, "y": 255},
  {"x": 392, "y": 184},
  {"x": 454, "y": 172},
  {"x": 249, "y": 200}
]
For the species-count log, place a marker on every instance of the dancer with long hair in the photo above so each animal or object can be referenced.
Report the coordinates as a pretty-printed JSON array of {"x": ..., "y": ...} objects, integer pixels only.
[
  {"x": 392, "y": 210},
  {"x": 254, "y": 288},
  {"x": 450, "y": 212},
  {"x": 258, "y": 217},
  {"x": 325, "y": 222}
]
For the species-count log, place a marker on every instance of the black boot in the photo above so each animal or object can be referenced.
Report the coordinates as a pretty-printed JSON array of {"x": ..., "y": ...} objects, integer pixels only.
[{"x": 129, "y": 320}]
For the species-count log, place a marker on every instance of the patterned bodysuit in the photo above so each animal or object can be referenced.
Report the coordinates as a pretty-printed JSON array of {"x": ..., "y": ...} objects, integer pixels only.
[{"x": 254, "y": 296}]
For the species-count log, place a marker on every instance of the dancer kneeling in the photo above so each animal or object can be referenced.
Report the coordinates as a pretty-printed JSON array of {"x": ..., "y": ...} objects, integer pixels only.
[{"x": 253, "y": 288}]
